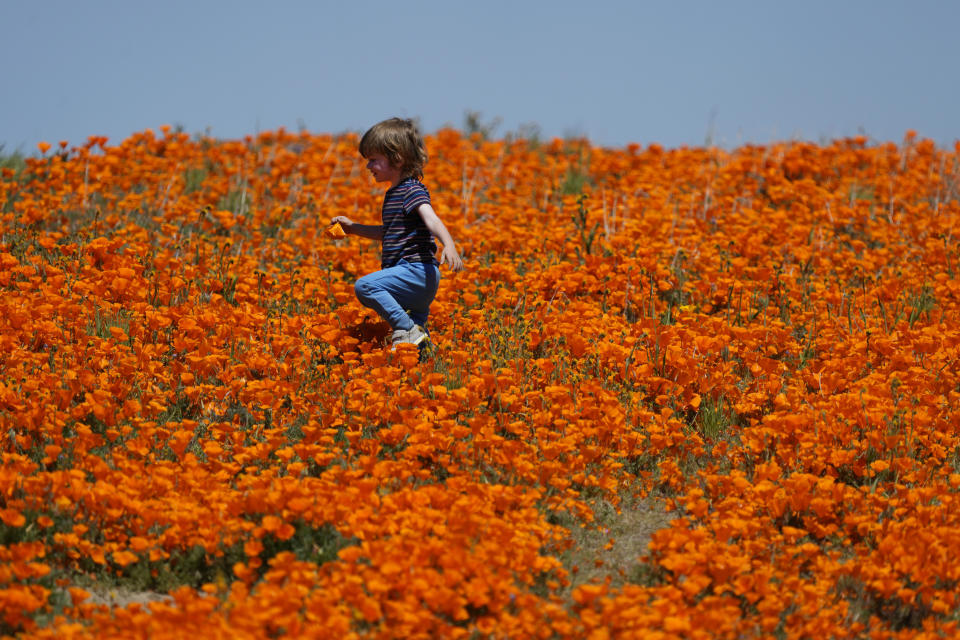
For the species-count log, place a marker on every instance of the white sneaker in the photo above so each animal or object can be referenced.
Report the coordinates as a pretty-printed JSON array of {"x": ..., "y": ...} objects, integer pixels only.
[{"x": 416, "y": 335}]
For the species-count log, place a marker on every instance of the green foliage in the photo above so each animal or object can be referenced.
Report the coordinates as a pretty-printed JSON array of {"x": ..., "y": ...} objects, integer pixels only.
[
  {"x": 866, "y": 605},
  {"x": 580, "y": 221},
  {"x": 14, "y": 160},
  {"x": 193, "y": 179},
  {"x": 715, "y": 418},
  {"x": 921, "y": 302},
  {"x": 529, "y": 132},
  {"x": 101, "y": 323},
  {"x": 236, "y": 201},
  {"x": 574, "y": 182},
  {"x": 473, "y": 122},
  {"x": 197, "y": 566}
]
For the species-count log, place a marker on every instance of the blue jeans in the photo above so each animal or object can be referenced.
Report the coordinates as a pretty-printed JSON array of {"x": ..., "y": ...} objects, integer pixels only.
[{"x": 401, "y": 294}]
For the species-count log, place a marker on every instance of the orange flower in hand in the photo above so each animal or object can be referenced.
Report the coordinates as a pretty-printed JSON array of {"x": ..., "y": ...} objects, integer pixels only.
[{"x": 336, "y": 231}]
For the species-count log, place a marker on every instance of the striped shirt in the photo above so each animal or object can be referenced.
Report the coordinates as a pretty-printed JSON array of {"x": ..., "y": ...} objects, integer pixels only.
[{"x": 404, "y": 233}]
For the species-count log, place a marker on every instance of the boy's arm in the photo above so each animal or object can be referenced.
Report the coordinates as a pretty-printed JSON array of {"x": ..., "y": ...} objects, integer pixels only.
[
  {"x": 372, "y": 231},
  {"x": 449, "y": 254}
]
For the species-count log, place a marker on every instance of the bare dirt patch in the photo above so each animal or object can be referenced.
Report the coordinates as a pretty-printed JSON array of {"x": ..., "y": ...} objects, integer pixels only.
[
  {"x": 123, "y": 597},
  {"x": 612, "y": 545}
]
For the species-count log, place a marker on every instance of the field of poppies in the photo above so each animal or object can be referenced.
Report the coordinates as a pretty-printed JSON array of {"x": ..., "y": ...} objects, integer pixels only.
[{"x": 763, "y": 342}]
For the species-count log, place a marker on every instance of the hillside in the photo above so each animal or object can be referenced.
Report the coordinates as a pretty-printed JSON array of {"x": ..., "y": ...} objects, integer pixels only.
[{"x": 692, "y": 392}]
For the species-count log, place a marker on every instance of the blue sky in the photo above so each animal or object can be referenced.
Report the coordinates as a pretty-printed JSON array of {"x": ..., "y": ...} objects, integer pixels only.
[{"x": 617, "y": 72}]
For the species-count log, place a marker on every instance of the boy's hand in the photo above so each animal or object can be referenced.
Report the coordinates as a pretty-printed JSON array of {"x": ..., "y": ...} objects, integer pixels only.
[
  {"x": 450, "y": 257},
  {"x": 344, "y": 221}
]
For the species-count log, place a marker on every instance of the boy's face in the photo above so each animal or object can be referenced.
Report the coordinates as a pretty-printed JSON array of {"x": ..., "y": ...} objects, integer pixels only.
[{"x": 382, "y": 170}]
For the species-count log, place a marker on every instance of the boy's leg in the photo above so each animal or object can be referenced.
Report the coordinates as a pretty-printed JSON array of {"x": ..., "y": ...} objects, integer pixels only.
[
  {"x": 390, "y": 292},
  {"x": 418, "y": 303}
]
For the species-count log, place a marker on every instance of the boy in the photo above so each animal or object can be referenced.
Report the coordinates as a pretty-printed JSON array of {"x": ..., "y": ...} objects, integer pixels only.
[{"x": 401, "y": 292}]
